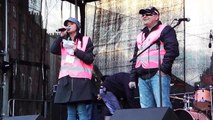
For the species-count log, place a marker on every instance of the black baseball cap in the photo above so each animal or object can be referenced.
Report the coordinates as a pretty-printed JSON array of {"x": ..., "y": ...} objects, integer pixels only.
[{"x": 151, "y": 10}]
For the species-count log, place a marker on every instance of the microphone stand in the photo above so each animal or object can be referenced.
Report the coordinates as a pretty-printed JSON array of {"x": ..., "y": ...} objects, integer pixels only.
[{"x": 159, "y": 60}]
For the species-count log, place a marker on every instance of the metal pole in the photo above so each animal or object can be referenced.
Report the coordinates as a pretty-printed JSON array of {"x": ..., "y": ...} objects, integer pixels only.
[
  {"x": 6, "y": 58},
  {"x": 184, "y": 48},
  {"x": 6, "y": 26},
  {"x": 76, "y": 9},
  {"x": 70, "y": 9},
  {"x": 159, "y": 70},
  {"x": 211, "y": 101}
]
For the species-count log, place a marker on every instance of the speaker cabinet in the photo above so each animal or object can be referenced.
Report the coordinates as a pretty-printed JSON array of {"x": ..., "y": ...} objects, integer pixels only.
[
  {"x": 26, "y": 117},
  {"x": 161, "y": 113}
]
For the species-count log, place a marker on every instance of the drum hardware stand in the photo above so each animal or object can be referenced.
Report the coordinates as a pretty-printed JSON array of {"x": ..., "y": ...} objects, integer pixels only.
[
  {"x": 187, "y": 102},
  {"x": 210, "y": 87}
]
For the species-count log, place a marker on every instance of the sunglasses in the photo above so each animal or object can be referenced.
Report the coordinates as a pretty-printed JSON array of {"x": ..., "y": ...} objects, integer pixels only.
[{"x": 147, "y": 14}]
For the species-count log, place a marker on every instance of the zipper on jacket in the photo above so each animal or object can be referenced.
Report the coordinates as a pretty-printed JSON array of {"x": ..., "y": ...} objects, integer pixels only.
[{"x": 71, "y": 84}]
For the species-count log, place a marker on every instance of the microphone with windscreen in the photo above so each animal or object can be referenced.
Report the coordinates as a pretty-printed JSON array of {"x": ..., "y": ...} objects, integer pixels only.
[{"x": 182, "y": 19}]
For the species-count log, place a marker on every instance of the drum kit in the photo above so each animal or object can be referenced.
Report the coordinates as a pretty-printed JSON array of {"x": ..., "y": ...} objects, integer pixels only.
[{"x": 197, "y": 104}]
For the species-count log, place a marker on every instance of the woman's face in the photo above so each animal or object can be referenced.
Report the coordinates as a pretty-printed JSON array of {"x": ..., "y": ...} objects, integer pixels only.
[{"x": 72, "y": 26}]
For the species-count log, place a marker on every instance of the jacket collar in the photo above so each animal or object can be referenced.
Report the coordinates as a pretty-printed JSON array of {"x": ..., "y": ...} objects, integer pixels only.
[{"x": 146, "y": 30}]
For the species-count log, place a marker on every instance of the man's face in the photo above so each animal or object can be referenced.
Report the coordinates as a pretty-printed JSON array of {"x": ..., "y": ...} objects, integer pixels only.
[{"x": 149, "y": 19}]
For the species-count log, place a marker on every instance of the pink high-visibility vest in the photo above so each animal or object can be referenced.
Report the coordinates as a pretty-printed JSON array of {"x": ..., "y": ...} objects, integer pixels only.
[
  {"x": 75, "y": 68},
  {"x": 149, "y": 58}
]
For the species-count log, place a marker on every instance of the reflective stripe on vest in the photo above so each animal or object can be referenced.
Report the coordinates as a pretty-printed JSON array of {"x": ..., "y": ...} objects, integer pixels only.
[
  {"x": 149, "y": 58},
  {"x": 77, "y": 68}
]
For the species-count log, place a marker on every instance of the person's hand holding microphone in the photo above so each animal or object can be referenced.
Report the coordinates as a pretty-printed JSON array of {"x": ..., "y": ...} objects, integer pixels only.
[{"x": 63, "y": 31}]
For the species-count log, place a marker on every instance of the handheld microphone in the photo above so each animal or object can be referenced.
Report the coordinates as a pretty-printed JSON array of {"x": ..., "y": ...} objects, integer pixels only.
[
  {"x": 63, "y": 29},
  {"x": 182, "y": 19}
]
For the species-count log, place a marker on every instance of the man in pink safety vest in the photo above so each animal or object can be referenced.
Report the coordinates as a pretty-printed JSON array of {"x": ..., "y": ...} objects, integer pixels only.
[{"x": 145, "y": 68}]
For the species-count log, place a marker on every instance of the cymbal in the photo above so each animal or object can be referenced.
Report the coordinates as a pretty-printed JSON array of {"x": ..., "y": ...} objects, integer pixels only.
[{"x": 207, "y": 79}]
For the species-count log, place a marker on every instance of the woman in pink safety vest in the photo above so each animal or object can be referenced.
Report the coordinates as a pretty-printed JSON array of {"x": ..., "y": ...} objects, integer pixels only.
[{"x": 74, "y": 87}]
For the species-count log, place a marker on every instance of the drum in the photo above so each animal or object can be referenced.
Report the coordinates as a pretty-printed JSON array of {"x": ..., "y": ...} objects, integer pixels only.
[
  {"x": 190, "y": 115},
  {"x": 202, "y": 99}
]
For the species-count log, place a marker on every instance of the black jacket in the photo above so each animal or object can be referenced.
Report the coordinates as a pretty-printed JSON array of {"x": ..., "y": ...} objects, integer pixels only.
[
  {"x": 74, "y": 89},
  {"x": 118, "y": 85}
]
